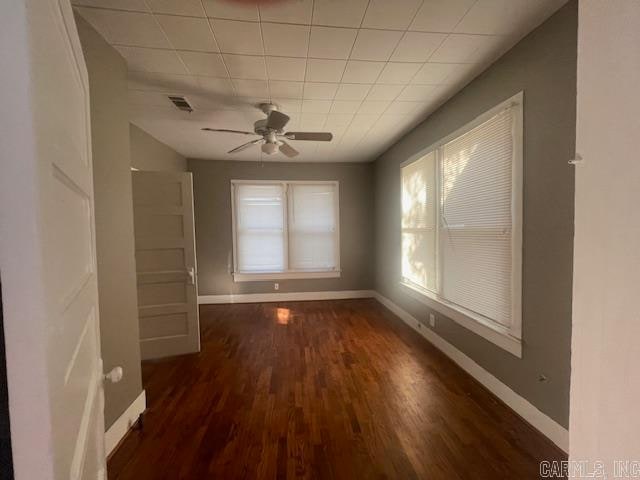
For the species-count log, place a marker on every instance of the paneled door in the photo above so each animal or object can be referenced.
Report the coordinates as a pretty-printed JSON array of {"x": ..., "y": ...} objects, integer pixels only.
[
  {"x": 47, "y": 247},
  {"x": 166, "y": 263}
]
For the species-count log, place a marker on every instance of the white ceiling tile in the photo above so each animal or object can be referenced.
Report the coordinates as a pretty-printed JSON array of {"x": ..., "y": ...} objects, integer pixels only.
[
  {"x": 345, "y": 106},
  {"x": 352, "y": 91},
  {"x": 286, "y": 68},
  {"x": 131, "y": 5},
  {"x": 251, "y": 88},
  {"x": 363, "y": 121},
  {"x": 190, "y": 8},
  {"x": 417, "y": 93},
  {"x": 384, "y": 92},
  {"x": 245, "y": 66},
  {"x": 285, "y": 40},
  {"x": 462, "y": 48},
  {"x": 320, "y": 91},
  {"x": 506, "y": 17},
  {"x": 490, "y": 48},
  {"x": 398, "y": 73},
  {"x": 336, "y": 120},
  {"x": 323, "y": 70},
  {"x": 199, "y": 63},
  {"x": 135, "y": 29},
  {"x": 214, "y": 86},
  {"x": 152, "y": 60},
  {"x": 327, "y": 42},
  {"x": 284, "y": 89},
  {"x": 417, "y": 46},
  {"x": 238, "y": 37},
  {"x": 358, "y": 71},
  {"x": 364, "y": 118},
  {"x": 338, "y": 127},
  {"x": 231, "y": 10},
  {"x": 187, "y": 33},
  {"x": 353, "y": 136},
  {"x": 316, "y": 106},
  {"x": 161, "y": 82},
  {"x": 375, "y": 44},
  {"x": 339, "y": 13},
  {"x": 388, "y": 121},
  {"x": 296, "y": 11},
  {"x": 202, "y": 103},
  {"x": 436, "y": 73},
  {"x": 460, "y": 76},
  {"x": 311, "y": 120},
  {"x": 440, "y": 15},
  {"x": 403, "y": 107},
  {"x": 287, "y": 105},
  {"x": 373, "y": 106},
  {"x": 392, "y": 15}
]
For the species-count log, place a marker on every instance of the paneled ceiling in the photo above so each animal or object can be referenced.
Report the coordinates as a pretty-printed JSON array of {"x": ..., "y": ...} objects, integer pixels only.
[{"x": 365, "y": 70}]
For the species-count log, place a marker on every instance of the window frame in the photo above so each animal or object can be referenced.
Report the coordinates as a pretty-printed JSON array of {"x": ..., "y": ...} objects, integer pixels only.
[
  {"x": 286, "y": 274},
  {"x": 509, "y": 339}
]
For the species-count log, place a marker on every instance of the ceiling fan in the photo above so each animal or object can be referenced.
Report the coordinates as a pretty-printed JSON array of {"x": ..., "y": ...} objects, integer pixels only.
[{"x": 271, "y": 131}]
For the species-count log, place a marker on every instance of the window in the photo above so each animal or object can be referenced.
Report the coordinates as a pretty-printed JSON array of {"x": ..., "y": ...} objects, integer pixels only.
[
  {"x": 461, "y": 224},
  {"x": 285, "y": 230}
]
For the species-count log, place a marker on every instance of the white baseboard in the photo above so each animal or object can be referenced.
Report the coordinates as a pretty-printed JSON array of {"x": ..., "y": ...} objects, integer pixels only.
[
  {"x": 123, "y": 424},
  {"x": 284, "y": 297},
  {"x": 539, "y": 420}
]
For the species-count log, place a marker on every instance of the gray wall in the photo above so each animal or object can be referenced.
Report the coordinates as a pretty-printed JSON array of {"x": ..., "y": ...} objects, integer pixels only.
[
  {"x": 147, "y": 153},
  {"x": 114, "y": 219},
  {"x": 543, "y": 65},
  {"x": 212, "y": 198}
]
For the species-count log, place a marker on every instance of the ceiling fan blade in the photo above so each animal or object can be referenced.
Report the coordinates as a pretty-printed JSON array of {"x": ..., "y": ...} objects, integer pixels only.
[
  {"x": 224, "y": 130},
  {"x": 246, "y": 145},
  {"x": 277, "y": 120},
  {"x": 314, "y": 136},
  {"x": 288, "y": 150}
]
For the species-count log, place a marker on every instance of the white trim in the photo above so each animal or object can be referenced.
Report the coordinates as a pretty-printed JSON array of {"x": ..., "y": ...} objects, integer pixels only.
[
  {"x": 123, "y": 424},
  {"x": 539, "y": 420},
  {"x": 289, "y": 275},
  {"x": 507, "y": 338},
  {"x": 286, "y": 274},
  {"x": 476, "y": 323},
  {"x": 284, "y": 297}
]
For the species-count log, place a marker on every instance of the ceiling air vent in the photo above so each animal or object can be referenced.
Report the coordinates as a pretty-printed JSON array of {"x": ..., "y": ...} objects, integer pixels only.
[{"x": 181, "y": 103}]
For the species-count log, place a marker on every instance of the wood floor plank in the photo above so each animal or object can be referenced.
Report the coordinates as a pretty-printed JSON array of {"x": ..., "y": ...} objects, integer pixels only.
[{"x": 321, "y": 390}]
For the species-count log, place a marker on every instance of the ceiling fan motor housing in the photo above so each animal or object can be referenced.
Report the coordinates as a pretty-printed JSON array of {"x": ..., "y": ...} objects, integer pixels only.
[{"x": 260, "y": 127}]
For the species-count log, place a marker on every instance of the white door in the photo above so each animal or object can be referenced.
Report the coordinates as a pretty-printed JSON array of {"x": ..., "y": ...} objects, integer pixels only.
[
  {"x": 47, "y": 249},
  {"x": 166, "y": 264}
]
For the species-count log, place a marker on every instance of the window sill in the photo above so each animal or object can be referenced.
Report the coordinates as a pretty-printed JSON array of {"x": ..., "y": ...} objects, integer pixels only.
[
  {"x": 258, "y": 277},
  {"x": 477, "y": 324}
]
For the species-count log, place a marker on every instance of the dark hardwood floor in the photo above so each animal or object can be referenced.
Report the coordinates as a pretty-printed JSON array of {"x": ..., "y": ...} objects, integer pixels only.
[{"x": 333, "y": 389}]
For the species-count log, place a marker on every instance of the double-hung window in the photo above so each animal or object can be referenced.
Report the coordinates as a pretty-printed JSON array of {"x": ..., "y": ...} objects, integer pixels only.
[
  {"x": 285, "y": 229},
  {"x": 462, "y": 224}
]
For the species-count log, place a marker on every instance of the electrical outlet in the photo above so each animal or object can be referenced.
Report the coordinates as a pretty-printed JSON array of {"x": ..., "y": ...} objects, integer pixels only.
[
  {"x": 276, "y": 286},
  {"x": 432, "y": 320}
]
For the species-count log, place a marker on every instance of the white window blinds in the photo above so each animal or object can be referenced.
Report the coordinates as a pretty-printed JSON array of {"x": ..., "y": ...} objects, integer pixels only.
[
  {"x": 312, "y": 227},
  {"x": 461, "y": 214},
  {"x": 419, "y": 217},
  {"x": 476, "y": 219},
  {"x": 260, "y": 228},
  {"x": 285, "y": 228}
]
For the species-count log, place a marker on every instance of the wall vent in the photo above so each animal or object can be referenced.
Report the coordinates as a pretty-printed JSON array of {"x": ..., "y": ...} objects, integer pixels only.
[{"x": 181, "y": 103}]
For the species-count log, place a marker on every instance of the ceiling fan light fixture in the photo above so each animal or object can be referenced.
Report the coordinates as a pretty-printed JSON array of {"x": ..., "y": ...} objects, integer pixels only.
[{"x": 269, "y": 148}]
